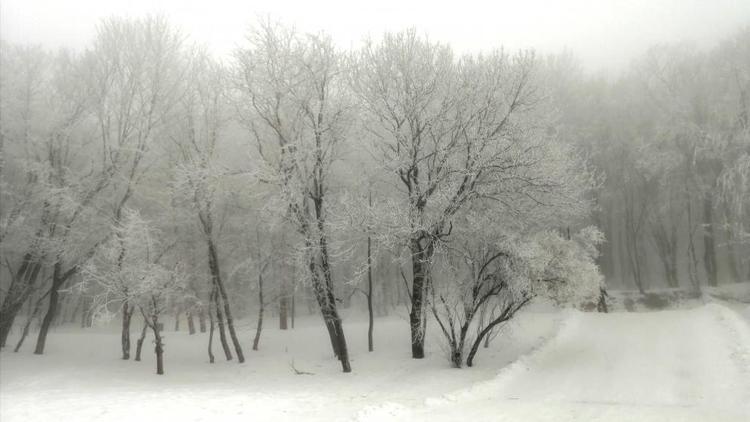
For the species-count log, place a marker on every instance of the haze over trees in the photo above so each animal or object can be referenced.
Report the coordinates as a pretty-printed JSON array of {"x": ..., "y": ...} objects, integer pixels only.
[{"x": 145, "y": 178}]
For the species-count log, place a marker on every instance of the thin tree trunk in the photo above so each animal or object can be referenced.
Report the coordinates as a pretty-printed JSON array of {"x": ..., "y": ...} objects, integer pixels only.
[
  {"x": 293, "y": 308},
  {"x": 220, "y": 323},
  {"x": 158, "y": 347},
  {"x": 177, "y": 321},
  {"x": 692, "y": 256},
  {"x": 504, "y": 316},
  {"x": 216, "y": 275},
  {"x": 709, "y": 245},
  {"x": 191, "y": 323},
  {"x": 127, "y": 314},
  {"x": 139, "y": 342},
  {"x": 283, "y": 310},
  {"x": 34, "y": 312},
  {"x": 261, "y": 307},
  {"x": 210, "y": 336},
  {"x": 370, "y": 346},
  {"x": 19, "y": 291},
  {"x": 734, "y": 263},
  {"x": 202, "y": 320},
  {"x": 58, "y": 279}
]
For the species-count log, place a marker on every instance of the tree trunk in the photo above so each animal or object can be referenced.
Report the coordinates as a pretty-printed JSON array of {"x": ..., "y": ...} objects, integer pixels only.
[
  {"x": 191, "y": 323},
  {"x": 419, "y": 283},
  {"x": 158, "y": 348},
  {"x": 202, "y": 320},
  {"x": 507, "y": 313},
  {"x": 177, "y": 321},
  {"x": 327, "y": 302},
  {"x": 220, "y": 323},
  {"x": 41, "y": 339},
  {"x": 58, "y": 279},
  {"x": 370, "y": 346},
  {"x": 127, "y": 314},
  {"x": 283, "y": 311},
  {"x": 210, "y": 336},
  {"x": 261, "y": 307},
  {"x": 19, "y": 291},
  {"x": 216, "y": 276},
  {"x": 139, "y": 342},
  {"x": 34, "y": 312},
  {"x": 709, "y": 247},
  {"x": 692, "y": 256},
  {"x": 293, "y": 309},
  {"x": 732, "y": 255}
]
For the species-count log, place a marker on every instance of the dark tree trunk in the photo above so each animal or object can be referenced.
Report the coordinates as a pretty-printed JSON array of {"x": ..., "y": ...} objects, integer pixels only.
[
  {"x": 191, "y": 323},
  {"x": 127, "y": 314},
  {"x": 19, "y": 291},
  {"x": 202, "y": 320},
  {"x": 220, "y": 323},
  {"x": 504, "y": 316},
  {"x": 34, "y": 313},
  {"x": 261, "y": 307},
  {"x": 732, "y": 256},
  {"x": 58, "y": 279},
  {"x": 216, "y": 276},
  {"x": 158, "y": 348},
  {"x": 177, "y": 321},
  {"x": 210, "y": 336},
  {"x": 665, "y": 240},
  {"x": 370, "y": 346},
  {"x": 41, "y": 339},
  {"x": 709, "y": 247},
  {"x": 139, "y": 342},
  {"x": 420, "y": 280},
  {"x": 327, "y": 302},
  {"x": 283, "y": 311},
  {"x": 293, "y": 309}
]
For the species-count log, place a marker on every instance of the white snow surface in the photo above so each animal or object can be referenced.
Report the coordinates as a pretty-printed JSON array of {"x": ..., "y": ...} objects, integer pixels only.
[{"x": 679, "y": 365}]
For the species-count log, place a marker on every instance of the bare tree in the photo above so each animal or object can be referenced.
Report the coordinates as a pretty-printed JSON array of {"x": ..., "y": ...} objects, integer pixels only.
[
  {"x": 292, "y": 102},
  {"x": 453, "y": 132},
  {"x": 198, "y": 176}
]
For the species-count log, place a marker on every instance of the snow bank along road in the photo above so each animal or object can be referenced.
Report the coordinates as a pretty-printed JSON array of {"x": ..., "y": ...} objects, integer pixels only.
[{"x": 681, "y": 365}]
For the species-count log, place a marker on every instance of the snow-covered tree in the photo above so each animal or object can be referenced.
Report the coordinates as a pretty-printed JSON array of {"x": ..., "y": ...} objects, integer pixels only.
[
  {"x": 138, "y": 276},
  {"x": 454, "y": 132},
  {"x": 135, "y": 77},
  {"x": 292, "y": 99},
  {"x": 200, "y": 183}
]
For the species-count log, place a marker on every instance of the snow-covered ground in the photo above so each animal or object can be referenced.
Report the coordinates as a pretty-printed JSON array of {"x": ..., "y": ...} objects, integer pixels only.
[
  {"x": 80, "y": 378},
  {"x": 688, "y": 364}
]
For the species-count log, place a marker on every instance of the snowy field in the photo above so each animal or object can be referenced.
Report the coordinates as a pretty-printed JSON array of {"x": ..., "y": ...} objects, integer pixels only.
[{"x": 687, "y": 364}]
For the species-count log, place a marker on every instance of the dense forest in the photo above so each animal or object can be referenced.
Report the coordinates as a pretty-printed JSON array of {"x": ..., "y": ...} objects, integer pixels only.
[{"x": 145, "y": 181}]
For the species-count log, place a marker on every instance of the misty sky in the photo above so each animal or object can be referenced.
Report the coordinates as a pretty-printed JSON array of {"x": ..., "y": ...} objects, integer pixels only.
[{"x": 604, "y": 34}]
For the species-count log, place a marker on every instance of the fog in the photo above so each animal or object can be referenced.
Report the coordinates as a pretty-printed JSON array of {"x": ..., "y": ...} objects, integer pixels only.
[
  {"x": 605, "y": 34},
  {"x": 392, "y": 211}
]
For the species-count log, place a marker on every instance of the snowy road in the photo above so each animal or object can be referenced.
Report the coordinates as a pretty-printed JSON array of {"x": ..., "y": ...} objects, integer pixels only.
[{"x": 671, "y": 365}]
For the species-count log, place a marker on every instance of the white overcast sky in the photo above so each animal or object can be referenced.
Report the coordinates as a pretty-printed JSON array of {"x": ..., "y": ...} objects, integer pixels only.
[{"x": 604, "y": 34}]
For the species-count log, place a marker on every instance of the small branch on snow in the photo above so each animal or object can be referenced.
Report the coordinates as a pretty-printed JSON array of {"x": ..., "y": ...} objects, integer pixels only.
[{"x": 298, "y": 372}]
